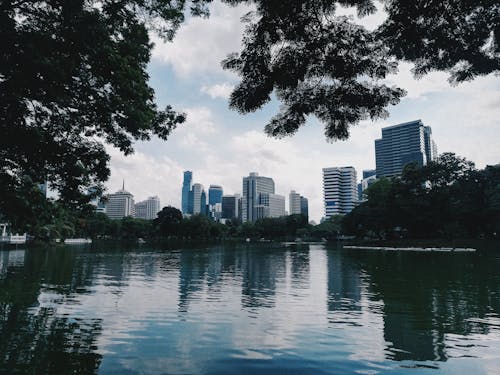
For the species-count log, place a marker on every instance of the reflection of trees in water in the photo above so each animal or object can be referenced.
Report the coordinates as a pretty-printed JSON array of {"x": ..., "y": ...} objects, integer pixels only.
[
  {"x": 427, "y": 296},
  {"x": 35, "y": 340}
]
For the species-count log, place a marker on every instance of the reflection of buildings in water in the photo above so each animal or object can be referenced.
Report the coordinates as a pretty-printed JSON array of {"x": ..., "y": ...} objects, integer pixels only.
[
  {"x": 260, "y": 268},
  {"x": 344, "y": 283},
  {"x": 299, "y": 266},
  {"x": 193, "y": 265}
]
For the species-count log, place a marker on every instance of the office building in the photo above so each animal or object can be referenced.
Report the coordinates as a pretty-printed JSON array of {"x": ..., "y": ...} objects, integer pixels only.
[
  {"x": 270, "y": 205},
  {"x": 339, "y": 190},
  {"x": 186, "y": 193},
  {"x": 199, "y": 199},
  {"x": 402, "y": 144},
  {"x": 294, "y": 203},
  {"x": 304, "y": 206},
  {"x": 231, "y": 207},
  {"x": 253, "y": 186},
  {"x": 369, "y": 173},
  {"x": 215, "y": 194},
  {"x": 148, "y": 209},
  {"x": 120, "y": 204}
]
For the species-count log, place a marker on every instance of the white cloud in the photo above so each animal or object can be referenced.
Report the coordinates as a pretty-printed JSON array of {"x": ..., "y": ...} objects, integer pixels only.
[
  {"x": 145, "y": 176},
  {"x": 219, "y": 90},
  {"x": 201, "y": 44}
]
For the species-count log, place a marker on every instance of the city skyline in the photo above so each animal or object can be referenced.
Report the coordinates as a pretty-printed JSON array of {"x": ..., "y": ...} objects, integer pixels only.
[{"x": 222, "y": 145}]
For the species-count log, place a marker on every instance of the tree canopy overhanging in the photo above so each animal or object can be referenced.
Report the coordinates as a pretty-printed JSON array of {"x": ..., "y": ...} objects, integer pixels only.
[
  {"x": 319, "y": 63},
  {"x": 73, "y": 74}
]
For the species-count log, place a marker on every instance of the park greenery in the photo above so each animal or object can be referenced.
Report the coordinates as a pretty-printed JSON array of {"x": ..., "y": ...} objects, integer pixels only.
[
  {"x": 73, "y": 77},
  {"x": 447, "y": 198}
]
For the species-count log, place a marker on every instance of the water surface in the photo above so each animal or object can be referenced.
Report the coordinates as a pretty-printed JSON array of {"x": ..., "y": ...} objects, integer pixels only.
[{"x": 247, "y": 309}]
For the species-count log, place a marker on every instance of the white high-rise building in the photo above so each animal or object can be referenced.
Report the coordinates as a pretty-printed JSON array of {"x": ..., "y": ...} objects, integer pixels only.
[
  {"x": 199, "y": 199},
  {"x": 148, "y": 209},
  {"x": 294, "y": 203},
  {"x": 274, "y": 205},
  {"x": 253, "y": 186},
  {"x": 120, "y": 204},
  {"x": 339, "y": 190}
]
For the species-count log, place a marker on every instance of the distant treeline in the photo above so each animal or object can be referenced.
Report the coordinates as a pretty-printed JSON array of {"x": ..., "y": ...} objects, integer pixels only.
[
  {"x": 170, "y": 224},
  {"x": 447, "y": 198}
]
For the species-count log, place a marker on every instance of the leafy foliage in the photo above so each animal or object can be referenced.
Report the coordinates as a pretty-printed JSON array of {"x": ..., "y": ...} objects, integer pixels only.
[
  {"x": 72, "y": 75},
  {"x": 318, "y": 63},
  {"x": 446, "y": 198}
]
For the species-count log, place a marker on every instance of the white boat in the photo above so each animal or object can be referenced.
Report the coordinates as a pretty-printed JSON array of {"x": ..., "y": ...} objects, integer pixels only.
[
  {"x": 421, "y": 249},
  {"x": 77, "y": 241}
]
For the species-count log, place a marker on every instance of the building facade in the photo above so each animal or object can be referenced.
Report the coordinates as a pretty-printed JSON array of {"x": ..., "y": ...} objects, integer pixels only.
[
  {"x": 231, "y": 207},
  {"x": 253, "y": 186},
  {"x": 410, "y": 142},
  {"x": 186, "y": 192},
  {"x": 304, "y": 206},
  {"x": 294, "y": 203},
  {"x": 148, "y": 209},
  {"x": 273, "y": 205},
  {"x": 339, "y": 190},
  {"x": 199, "y": 199},
  {"x": 120, "y": 204}
]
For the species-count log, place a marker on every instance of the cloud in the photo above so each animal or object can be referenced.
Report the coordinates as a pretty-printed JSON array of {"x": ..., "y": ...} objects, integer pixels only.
[
  {"x": 201, "y": 44},
  {"x": 145, "y": 176},
  {"x": 219, "y": 90}
]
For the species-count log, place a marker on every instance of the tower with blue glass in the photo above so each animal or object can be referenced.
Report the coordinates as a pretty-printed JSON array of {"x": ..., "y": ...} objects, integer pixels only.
[{"x": 187, "y": 208}]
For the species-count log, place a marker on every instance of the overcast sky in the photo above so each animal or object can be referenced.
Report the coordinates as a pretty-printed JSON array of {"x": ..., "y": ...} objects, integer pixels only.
[{"x": 220, "y": 146}]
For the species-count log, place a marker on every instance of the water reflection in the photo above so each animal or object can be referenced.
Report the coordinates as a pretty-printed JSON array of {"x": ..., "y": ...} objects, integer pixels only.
[{"x": 247, "y": 309}]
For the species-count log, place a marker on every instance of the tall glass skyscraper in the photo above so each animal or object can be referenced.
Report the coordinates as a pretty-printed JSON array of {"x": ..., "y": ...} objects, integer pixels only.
[
  {"x": 214, "y": 194},
  {"x": 186, "y": 189},
  {"x": 410, "y": 142}
]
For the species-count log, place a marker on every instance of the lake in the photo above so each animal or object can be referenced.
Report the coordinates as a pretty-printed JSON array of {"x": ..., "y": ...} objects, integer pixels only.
[{"x": 248, "y": 309}]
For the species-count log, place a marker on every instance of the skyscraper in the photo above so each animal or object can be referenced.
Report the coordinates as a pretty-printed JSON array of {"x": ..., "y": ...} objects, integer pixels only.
[
  {"x": 231, "y": 206},
  {"x": 186, "y": 188},
  {"x": 294, "y": 203},
  {"x": 410, "y": 142},
  {"x": 148, "y": 209},
  {"x": 215, "y": 193},
  {"x": 270, "y": 205},
  {"x": 120, "y": 204},
  {"x": 339, "y": 190},
  {"x": 253, "y": 186},
  {"x": 304, "y": 207},
  {"x": 199, "y": 199}
]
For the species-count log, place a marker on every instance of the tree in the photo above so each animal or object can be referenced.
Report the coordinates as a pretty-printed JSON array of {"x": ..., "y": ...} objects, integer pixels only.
[
  {"x": 318, "y": 63},
  {"x": 169, "y": 221},
  {"x": 72, "y": 77}
]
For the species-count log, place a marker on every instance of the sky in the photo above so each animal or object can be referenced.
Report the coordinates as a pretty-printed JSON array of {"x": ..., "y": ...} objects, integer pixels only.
[{"x": 221, "y": 146}]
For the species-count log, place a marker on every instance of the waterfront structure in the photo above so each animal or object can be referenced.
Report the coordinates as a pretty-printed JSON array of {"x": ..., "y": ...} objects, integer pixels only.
[
  {"x": 186, "y": 193},
  {"x": 294, "y": 203},
  {"x": 120, "y": 204},
  {"x": 148, "y": 209},
  {"x": 253, "y": 186},
  {"x": 231, "y": 207},
  {"x": 410, "y": 142},
  {"x": 304, "y": 206},
  {"x": 339, "y": 190}
]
